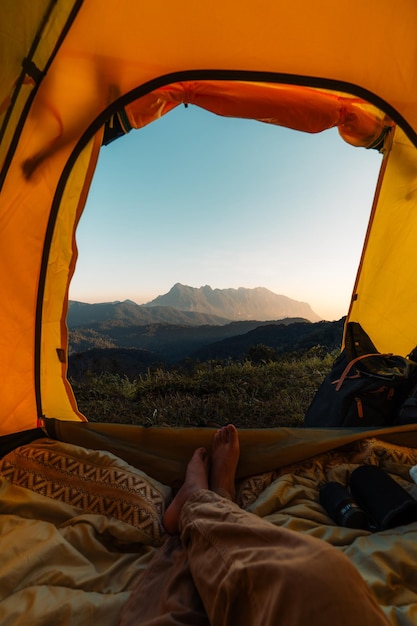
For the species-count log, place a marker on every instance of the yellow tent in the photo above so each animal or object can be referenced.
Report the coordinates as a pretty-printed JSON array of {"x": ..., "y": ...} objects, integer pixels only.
[
  {"x": 72, "y": 70},
  {"x": 69, "y": 67}
]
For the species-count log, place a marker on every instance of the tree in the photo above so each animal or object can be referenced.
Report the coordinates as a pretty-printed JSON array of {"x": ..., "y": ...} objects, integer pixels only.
[{"x": 260, "y": 353}]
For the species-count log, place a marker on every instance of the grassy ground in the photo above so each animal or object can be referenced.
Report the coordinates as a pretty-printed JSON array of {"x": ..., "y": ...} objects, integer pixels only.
[{"x": 262, "y": 394}]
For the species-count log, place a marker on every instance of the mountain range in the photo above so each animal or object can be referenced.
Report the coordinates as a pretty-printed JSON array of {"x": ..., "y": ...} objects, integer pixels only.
[
  {"x": 193, "y": 306},
  {"x": 127, "y": 338},
  {"x": 128, "y": 313},
  {"x": 234, "y": 304}
]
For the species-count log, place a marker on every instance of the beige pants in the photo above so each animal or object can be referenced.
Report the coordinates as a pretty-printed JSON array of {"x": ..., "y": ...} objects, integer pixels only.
[{"x": 231, "y": 567}]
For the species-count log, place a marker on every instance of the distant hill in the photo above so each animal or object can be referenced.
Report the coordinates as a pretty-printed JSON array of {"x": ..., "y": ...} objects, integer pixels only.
[
  {"x": 234, "y": 304},
  {"x": 124, "y": 337},
  {"x": 133, "y": 349},
  {"x": 191, "y": 306},
  {"x": 170, "y": 342},
  {"x": 295, "y": 337},
  {"x": 129, "y": 313},
  {"x": 123, "y": 361}
]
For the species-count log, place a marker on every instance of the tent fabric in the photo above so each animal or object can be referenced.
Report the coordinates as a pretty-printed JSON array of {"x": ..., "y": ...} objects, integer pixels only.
[
  {"x": 30, "y": 32},
  {"x": 164, "y": 452},
  {"x": 300, "y": 108},
  {"x": 59, "y": 399},
  {"x": 68, "y": 66},
  {"x": 385, "y": 288}
]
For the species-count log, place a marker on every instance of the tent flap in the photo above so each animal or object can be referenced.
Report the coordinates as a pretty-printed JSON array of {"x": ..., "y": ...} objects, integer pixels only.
[{"x": 299, "y": 108}]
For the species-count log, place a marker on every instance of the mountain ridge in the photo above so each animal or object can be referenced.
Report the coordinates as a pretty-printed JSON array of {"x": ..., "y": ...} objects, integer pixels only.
[
  {"x": 128, "y": 337},
  {"x": 242, "y": 303},
  {"x": 171, "y": 342},
  {"x": 129, "y": 313},
  {"x": 132, "y": 350},
  {"x": 193, "y": 306}
]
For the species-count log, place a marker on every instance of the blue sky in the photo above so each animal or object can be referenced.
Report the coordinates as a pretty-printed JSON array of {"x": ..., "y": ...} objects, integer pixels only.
[{"x": 204, "y": 200}]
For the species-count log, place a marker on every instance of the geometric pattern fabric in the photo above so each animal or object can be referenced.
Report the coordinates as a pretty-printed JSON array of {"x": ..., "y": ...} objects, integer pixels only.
[{"x": 110, "y": 491}]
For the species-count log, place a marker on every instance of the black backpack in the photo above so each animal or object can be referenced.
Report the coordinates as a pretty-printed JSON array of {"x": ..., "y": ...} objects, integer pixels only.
[{"x": 364, "y": 387}]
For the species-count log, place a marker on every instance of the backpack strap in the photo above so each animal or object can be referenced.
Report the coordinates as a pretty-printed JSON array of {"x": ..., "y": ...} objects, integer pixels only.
[{"x": 349, "y": 366}]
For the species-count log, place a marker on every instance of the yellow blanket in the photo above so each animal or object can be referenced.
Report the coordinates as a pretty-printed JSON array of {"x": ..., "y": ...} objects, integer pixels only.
[
  {"x": 68, "y": 556},
  {"x": 387, "y": 560},
  {"x": 73, "y": 562}
]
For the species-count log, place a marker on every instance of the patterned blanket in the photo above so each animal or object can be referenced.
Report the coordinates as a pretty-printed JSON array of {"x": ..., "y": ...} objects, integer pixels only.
[
  {"x": 78, "y": 528},
  {"x": 90, "y": 481}
]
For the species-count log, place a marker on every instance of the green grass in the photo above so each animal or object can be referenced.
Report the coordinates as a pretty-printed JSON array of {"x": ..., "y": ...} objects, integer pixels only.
[{"x": 251, "y": 394}]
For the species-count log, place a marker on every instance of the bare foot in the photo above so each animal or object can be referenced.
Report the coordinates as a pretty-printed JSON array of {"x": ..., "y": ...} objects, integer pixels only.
[
  {"x": 224, "y": 460},
  {"x": 196, "y": 478}
]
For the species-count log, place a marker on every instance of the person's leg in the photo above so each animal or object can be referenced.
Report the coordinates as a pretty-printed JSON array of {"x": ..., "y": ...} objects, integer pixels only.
[
  {"x": 165, "y": 595},
  {"x": 225, "y": 452},
  {"x": 196, "y": 478},
  {"x": 224, "y": 460},
  {"x": 249, "y": 572}
]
